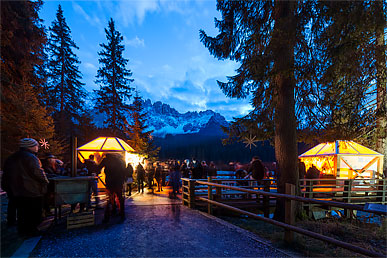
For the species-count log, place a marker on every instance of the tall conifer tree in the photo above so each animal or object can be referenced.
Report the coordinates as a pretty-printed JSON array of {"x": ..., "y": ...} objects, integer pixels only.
[
  {"x": 140, "y": 138},
  {"x": 22, "y": 45},
  {"x": 114, "y": 80},
  {"x": 343, "y": 69},
  {"x": 263, "y": 37},
  {"x": 66, "y": 93},
  {"x": 380, "y": 10},
  {"x": 349, "y": 44}
]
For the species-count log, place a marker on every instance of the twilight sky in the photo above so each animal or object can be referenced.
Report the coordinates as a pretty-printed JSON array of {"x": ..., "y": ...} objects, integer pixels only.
[{"x": 161, "y": 37}]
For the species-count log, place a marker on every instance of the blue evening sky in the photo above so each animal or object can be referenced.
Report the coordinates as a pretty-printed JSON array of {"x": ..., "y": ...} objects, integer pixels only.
[{"x": 161, "y": 37}]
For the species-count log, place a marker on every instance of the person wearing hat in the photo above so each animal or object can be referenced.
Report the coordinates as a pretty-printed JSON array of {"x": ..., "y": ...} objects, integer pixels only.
[
  {"x": 25, "y": 180},
  {"x": 49, "y": 165}
]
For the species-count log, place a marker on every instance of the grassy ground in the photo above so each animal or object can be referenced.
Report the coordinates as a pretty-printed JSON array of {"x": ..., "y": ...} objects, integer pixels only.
[{"x": 369, "y": 236}]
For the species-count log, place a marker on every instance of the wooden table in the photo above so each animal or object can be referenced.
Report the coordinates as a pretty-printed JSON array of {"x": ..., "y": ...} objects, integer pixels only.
[{"x": 71, "y": 190}]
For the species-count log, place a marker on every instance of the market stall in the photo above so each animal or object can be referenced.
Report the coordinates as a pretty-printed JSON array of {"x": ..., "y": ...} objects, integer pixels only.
[
  {"x": 102, "y": 145},
  {"x": 344, "y": 160}
]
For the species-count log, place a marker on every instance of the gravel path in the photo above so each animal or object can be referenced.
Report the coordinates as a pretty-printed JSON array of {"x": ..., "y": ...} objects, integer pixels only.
[{"x": 163, "y": 230}]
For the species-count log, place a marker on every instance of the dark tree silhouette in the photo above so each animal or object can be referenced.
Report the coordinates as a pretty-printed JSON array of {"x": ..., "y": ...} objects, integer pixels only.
[
  {"x": 114, "y": 80},
  {"x": 379, "y": 8},
  {"x": 263, "y": 37},
  {"x": 348, "y": 40},
  {"x": 140, "y": 138},
  {"x": 66, "y": 90},
  {"x": 22, "y": 46}
]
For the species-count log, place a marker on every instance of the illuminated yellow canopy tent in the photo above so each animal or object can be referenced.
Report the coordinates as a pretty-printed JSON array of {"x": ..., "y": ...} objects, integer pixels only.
[
  {"x": 103, "y": 144},
  {"x": 344, "y": 159},
  {"x": 108, "y": 145}
]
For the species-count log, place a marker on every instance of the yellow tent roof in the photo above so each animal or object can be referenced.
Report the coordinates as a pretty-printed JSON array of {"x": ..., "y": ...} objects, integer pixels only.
[
  {"x": 339, "y": 147},
  {"x": 106, "y": 144}
]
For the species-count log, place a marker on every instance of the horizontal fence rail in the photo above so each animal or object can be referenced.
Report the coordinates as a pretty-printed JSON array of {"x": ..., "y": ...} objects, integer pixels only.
[
  {"x": 356, "y": 191},
  {"x": 295, "y": 198},
  {"x": 298, "y": 230},
  {"x": 189, "y": 198}
]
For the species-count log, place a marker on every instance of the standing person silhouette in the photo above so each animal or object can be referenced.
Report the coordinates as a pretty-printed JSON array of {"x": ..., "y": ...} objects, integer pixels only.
[
  {"x": 158, "y": 176},
  {"x": 140, "y": 172},
  {"x": 256, "y": 169},
  {"x": 129, "y": 179},
  {"x": 25, "y": 180},
  {"x": 150, "y": 173},
  {"x": 93, "y": 170},
  {"x": 115, "y": 176}
]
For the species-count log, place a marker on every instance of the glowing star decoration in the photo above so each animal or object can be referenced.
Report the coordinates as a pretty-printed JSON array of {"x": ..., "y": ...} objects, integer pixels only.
[
  {"x": 250, "y": 141},
  {"x": 44, "y": 143}
]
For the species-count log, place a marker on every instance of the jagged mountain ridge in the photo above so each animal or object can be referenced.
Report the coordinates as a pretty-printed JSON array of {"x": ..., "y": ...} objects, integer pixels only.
[{"x": 164, "y": 119}]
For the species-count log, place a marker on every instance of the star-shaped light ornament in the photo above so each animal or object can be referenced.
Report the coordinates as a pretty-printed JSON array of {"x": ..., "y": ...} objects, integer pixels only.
[
  {"x": 250, "y": 141},
  {"x": 44, "y": 144}
]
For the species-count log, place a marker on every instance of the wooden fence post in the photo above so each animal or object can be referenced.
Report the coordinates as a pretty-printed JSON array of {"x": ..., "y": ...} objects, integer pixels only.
[
  {"x": 381, "y": 194},
  {"x": 209, "y": 179},
  {"x": 347, "y": 196},
  {"x": 74, "y": 156},
  {"x": 191, "y": 193},
  {"x": 185, "y": 192},
  {"x": 218, "y": 193},
  {"x": 309, "y": 194},
  {"x": 289, "y": 212},
  {"x": 266, "y": 199}
]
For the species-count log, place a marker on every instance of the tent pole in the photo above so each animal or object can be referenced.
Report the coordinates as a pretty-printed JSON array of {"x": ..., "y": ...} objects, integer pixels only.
[{"x": 74, "y": 156}]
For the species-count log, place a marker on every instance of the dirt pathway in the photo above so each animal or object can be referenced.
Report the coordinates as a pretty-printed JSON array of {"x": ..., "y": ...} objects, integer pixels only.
[{"x": 155, "y": 226}]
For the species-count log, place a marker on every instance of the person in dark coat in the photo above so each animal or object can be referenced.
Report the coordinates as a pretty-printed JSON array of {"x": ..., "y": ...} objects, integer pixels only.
[
  {"x": 256, "y": 169},
  {"x": 49, "y": 166},
  {"x": 301, "y": 169},
  {"x": 312, "y": 173},
  {"x": 129, "y": 179},
  {"x": 25, "y": 182},
  {"x": 212, "y": 171},
  {"x": 93, "y": 170},
  {"x": 140, "y": 173},
  {"x": 204, "y": 169},
  {"x": 197, "y": 169},
  {"x": 174, "y": 177},
  {"x": 114, "y": 178},
  {"x": 52, "y": 170},
  {"x": 159, "y": 177},
  {"x": 150, "y": 173},
  {"x": 184, "y": 169}
]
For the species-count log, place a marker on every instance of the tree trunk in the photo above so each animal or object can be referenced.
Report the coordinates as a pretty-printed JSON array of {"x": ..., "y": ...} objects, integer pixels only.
[
  {"x": 115, "y": 129},
  {"x": 381, "y": 79},
  {"x": 283, "y": 41},
  {"x": 62, "y": 78}
]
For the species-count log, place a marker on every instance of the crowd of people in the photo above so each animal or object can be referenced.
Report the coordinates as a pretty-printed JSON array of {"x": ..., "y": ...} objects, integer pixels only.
[{"x": 26, "y": 179}]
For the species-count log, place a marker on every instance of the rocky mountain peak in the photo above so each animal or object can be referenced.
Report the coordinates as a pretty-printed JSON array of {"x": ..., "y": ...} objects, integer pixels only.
[{"x": 164, "y": 119}]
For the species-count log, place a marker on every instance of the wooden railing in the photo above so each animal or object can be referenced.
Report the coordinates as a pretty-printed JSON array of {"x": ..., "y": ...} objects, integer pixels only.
[
  {"x": 190, "y": 198},
  {"x": 238, "y": 198},
  {"x": 356, "y": 191}
]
